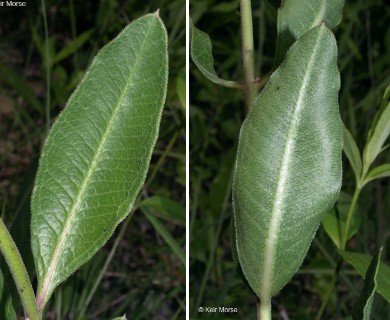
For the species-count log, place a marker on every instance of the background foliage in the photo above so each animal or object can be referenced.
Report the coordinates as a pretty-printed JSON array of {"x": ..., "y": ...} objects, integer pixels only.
[
  {"x": 216, "y": 115},
  {"x": 146, "y": 278}
]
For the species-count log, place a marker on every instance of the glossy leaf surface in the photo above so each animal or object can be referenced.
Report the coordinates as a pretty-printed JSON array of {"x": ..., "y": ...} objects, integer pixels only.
[
  {"x": 288, "y": 168},
  {"x": 363, "y": 306},
  {"x": 361, "y": 262},
  {"x": 97, "y": 154},
  {"x": 295, "y": 17}
]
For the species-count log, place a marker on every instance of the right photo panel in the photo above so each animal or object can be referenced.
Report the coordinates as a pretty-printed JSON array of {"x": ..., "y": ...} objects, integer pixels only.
[{"x": 289, "y": 162}]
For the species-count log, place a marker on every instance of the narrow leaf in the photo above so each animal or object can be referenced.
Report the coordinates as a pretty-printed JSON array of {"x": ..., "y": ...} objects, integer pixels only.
[
  {"x": 362, "y": 309},
  {"x": 385, "y": 100},
  {"x": 295, "y": 17},
  {"x": 168, "y": 209},
  {"x": 378, "y": 133},
  {"x": 72, "y": 46},
  {"x": 18, "y": 83},
  {"x": 97, "y": 154},
  {"x": 352, "y": 152},
  {"x": 381, "y": 171},
  {"x": 201, "y": 55},
  {"x": 360, "y": 262},
  {"x": 164, "y": 233},
  {"x": 288, "y": 168}
]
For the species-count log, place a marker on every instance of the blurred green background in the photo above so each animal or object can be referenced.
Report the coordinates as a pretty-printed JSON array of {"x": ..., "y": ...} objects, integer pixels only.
[
  {"x": 216, "y": 114},
  {"x": 146, "y": 277}
]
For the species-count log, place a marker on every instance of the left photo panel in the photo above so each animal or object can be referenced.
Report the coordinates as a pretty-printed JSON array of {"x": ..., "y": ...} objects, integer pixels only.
[{"x": 93, "y": 160}]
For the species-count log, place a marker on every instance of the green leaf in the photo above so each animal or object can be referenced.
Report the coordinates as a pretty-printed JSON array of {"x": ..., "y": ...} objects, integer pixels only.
[
  {"x": 166, "y": 208},
  {"x": 172, "y": 243},
  {"x": 21, "y": 86},
  {"x": 381, "y": 171},
  {"x": 378, "y": 133},
  {"x": 295, "y": 17},
  {"x": 334, "y": 222},
  {"x": 72, "y": 46},
  {"x": 362, "y": 309},
  {"x": 360, "y": 262},
  {"x": 385, "y": 100},
  {"x": 97, "y": 154},
  {"x": 201, "y": 55},
  {"x": 352, "y": 152},
  {"x": 288, "y": 168},
  {"x": 6, "y": 308}
]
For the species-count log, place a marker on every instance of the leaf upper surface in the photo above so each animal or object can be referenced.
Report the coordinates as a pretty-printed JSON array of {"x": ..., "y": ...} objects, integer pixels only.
[
  {"x": 288, "y": 167},
  {"x": 295, "y": 17},
  {"x": 97, "y": 154}
]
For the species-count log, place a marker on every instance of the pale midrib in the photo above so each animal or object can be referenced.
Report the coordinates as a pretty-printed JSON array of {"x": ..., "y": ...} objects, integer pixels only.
[
  {"x": 276, "y": 214},
  {"x": 320, "y": 16},
  {"x": 68, "y": 225}
]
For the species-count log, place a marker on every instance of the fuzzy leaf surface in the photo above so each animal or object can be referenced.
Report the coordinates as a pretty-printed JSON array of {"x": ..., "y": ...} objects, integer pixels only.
[
  {"x": 288, "y": 168},
  {"x": 295, "y": 17},
  {"x": 95, "y": 159}
]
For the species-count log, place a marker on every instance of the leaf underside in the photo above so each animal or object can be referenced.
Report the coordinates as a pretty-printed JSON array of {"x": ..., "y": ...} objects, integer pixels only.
[
  {"x": 97, "y": 154},
  {"x": 202, "y": 56},
  {"x": 295, "y": 17},
  {"x": 288, "y": 167}
]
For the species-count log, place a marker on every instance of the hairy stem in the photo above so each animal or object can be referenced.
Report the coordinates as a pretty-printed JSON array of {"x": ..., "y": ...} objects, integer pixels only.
[
  {"x": 19, "y": 273},
  {"x": 247, "y": 52}
]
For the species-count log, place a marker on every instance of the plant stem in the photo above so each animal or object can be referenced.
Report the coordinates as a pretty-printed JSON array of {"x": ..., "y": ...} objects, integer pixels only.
[
  {"x": 247, "y": 52},
  {"x": 19, "y": 273},
  {"x": 349, "y": 217},
  {"x": 264, "y": 310}
]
